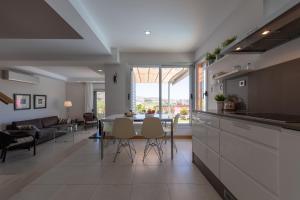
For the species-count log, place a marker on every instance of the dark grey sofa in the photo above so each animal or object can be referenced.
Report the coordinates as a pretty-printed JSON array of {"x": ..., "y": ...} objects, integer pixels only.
[{"x": 46, "y": 127}]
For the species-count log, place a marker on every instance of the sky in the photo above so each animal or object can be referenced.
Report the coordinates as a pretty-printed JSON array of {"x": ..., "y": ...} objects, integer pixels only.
[{"x": 178, "y": 91}]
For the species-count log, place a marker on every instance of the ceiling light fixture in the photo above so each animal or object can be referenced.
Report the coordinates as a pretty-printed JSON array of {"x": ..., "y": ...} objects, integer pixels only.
[
  {"x": 265, "y": 32},
  {"x": 147, "y": 32},
  {"x": 99, "y": 70},
  {"x": 238, "y": 48}
]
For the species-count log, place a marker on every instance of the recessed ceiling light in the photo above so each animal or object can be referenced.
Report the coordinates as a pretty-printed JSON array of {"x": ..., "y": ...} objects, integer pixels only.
[
  {"x": 238, "y": 48},
  {"x": 147, "y": 32},
  {"x": 99, "y": 70},
  {"x": 265, "y": 32}
]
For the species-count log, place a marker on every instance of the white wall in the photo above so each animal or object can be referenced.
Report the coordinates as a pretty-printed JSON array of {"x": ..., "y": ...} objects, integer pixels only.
[
  {"x": 99, "y": 86},
  {"x": 75, "y": 93},
  {"x": 245, "y": 18},
  {"x": 54, "y": 89},
  {"x": 157, "y": 58},
  {"x": 116, "y": 94}
]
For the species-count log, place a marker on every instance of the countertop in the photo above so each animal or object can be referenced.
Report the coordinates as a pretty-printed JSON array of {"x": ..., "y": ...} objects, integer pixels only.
[{"x": 239, "y": 115}]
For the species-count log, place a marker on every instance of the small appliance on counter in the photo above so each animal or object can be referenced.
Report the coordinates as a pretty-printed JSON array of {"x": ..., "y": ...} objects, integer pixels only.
[
  {"x": 229, "y": 106},
  {"x": 230, "y": 103}
]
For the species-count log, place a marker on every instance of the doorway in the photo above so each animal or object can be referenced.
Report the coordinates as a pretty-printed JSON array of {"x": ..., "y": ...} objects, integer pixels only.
[{"x": 99, "y": 106}]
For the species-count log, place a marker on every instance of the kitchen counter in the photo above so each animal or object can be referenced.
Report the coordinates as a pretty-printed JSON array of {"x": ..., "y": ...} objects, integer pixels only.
[{"x": 285, "y": 121}]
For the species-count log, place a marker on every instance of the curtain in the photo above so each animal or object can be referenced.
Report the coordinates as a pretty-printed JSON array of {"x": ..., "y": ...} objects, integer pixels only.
[{"x": 89, "y": 97}]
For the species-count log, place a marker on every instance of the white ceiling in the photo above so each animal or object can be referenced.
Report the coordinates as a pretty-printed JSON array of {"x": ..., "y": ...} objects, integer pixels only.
[
  {"x": 176, "y": 25},
  {"x": 75, "y": 73},
  {"x": 55, "y": 49},
  {"x": 65, "y": 73}
]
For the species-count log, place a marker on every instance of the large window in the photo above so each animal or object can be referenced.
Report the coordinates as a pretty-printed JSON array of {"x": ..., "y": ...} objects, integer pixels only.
[
  {"x": 201, "y": 86},
  {"x": 162, "y": 89},
  {"x": 146, "y": 89}
]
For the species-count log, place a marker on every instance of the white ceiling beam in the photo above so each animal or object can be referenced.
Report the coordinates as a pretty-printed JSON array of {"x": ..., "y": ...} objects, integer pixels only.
[{"x": 74, "y": 13}]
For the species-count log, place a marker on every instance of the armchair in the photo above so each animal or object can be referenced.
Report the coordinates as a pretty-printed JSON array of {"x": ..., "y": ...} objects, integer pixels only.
[
  {"x": 17, "y": 139},
  {"x": 90, "y": 120}
]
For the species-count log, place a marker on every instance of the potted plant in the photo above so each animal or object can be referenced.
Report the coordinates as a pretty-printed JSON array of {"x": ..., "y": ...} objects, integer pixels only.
[
  {"x": 210, "y": 57},
  {"x": 217, "y": 52},
  {"x": 220, "y": 98},
  {"x": 228, "y": 41}
]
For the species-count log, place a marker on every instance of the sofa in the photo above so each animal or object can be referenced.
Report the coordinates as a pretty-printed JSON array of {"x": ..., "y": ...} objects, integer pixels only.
[{"x": 45, "y": 127}]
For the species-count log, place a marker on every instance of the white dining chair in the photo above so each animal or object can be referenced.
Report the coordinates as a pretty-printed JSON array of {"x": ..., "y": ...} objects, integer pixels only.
[
  {"x": 153, "y": 131},
  {"x": 123, "y": 131},
  {"x": 167, "y": 130}
]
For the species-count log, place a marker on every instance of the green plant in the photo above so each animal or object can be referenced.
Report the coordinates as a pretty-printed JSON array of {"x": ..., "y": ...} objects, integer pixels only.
[
  {"x": 220, "y": 97},
  {"x": 140, "y": 108},
  {"x": 228, "y": 41},
  {"x": 184, "y": 111},
  {"x": 210, "y": 56},
  {"x": 217, "y": 51}
]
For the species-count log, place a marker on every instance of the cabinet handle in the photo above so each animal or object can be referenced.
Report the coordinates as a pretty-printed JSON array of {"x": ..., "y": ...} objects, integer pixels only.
[{"x": 243, "y": 126}]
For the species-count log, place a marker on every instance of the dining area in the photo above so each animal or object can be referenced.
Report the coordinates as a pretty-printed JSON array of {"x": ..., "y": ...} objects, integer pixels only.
[{"x": 122, "y": 130}]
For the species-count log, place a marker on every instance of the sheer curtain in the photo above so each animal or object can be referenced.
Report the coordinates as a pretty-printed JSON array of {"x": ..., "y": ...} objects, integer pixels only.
[{"x": 89, "y": 97}]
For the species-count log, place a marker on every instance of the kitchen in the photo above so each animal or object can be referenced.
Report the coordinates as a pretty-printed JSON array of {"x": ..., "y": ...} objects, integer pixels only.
[{"x": 246, "y": 146}]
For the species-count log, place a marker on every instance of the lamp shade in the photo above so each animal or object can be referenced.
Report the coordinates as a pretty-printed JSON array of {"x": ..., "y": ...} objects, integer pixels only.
[{"x": 68, "y": 104}]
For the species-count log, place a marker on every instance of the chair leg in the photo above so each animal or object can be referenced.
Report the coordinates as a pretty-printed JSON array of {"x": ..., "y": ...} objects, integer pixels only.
[
  {"x": 2, "y": 152},
  {"x": 132, "y": 145},
  {"x": 4, "y": 155},
  {"x": 118, "y": 151},
  {"x": 130, "y": 152},
  {"x": 159, "y": 149},
  {"x": 146, "y": 149},
  {"x": 34, "y": 148}
]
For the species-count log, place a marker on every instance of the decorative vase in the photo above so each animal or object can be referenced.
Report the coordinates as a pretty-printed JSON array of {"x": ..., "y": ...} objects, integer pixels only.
[{"x": 220, "y": 106}]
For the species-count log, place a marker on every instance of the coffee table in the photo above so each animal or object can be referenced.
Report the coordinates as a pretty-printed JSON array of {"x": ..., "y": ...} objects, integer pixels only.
[{"x": 68, "y": 129}]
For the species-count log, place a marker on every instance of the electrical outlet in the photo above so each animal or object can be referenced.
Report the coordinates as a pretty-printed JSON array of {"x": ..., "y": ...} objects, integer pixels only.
[{"x": 242, "y": 83}]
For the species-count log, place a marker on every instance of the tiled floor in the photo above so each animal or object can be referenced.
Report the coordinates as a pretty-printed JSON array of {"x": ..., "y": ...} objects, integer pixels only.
[{"x": 82, "y": 175}]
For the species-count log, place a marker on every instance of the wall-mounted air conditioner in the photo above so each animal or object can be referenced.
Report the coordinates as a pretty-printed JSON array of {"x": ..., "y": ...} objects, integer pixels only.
[{"x": 19, "y": 77}]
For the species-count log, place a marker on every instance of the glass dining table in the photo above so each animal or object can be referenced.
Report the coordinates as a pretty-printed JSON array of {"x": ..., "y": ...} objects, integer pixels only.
[{"x": 135, "y": 118}]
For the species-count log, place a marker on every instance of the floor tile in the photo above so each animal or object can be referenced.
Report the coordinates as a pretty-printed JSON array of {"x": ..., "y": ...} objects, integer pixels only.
[
  {"x": 192, "y": 192},
  {"x": 149, "y": 174},
  {"x": 112, "y": 192},
  {"x": 150, "y": 192},
  {"x": 37, "y": 192},
  {"x": 117, "y": 174},
  {"x": 75, "y": 192}
]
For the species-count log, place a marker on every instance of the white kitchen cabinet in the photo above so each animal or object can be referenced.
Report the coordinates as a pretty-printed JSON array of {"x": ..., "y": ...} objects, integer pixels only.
[
  {"x": 200, "y": 150},
  {"x": 289, "y": 165},
  {"x": 243, "y": 187},
  {"x": 213, "y": 138},
  {"x": 209, "y": 120},
  {"x": 257, "y": 161},
  {"x": 198, "y": 130},
  {"x": 213, "y": 162},
  {"x": 258, "y": 132},
  {"x": 253, "y": 160}
]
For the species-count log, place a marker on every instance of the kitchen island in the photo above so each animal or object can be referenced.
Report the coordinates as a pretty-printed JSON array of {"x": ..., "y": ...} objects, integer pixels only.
[{"x": 248, "y": 156}]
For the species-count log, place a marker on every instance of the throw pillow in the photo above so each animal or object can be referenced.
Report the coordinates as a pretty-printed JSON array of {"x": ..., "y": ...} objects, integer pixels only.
[
  {"x": 62, "y": 121},
  {"x": 25, "y": 127}
]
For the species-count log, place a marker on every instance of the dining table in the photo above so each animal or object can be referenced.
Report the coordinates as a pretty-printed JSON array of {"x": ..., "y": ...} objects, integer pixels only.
[{"x": 164, "y": 118}]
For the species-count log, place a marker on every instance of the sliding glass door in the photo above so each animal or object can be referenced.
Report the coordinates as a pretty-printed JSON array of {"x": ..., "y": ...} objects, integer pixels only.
[
  {"x": 176, "y": 92},
  {"x": 162, "y": 89}
]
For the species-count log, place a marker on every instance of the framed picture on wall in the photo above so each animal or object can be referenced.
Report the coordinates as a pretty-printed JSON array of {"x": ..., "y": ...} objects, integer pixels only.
[
  {"x": 22, "y": 101},
  {"x": 39, "y": 101}
]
